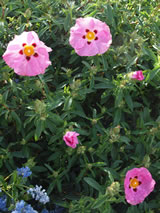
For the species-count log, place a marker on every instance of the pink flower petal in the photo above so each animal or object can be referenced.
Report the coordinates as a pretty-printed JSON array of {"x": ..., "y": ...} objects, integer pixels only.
[
  {"x": 138, "y": 75},
  {"x": 91, "y": 24},
  {"x": 15, "y": 57},
  {"x": 99, "y": 44},
  {"x": 142, "y": 190},
  {"x": 105, "y": 37},
  {"x": 70, "y": 139},
  {"x": 88, "y": 50},
  {"x": 77, "y": 41},
  {"x": 32, "y": 37},
  {"x": 14, "y": 47}
]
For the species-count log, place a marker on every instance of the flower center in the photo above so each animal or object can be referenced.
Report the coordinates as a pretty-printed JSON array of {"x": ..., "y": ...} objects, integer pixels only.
[
  {"x": 134, "y": 183},
  {"x": 28, "y": 50},
  {"x": 90, "y": 36}
]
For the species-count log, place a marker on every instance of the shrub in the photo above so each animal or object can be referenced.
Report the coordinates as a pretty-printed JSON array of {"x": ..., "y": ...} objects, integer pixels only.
[{"x": 116, "y": 117}]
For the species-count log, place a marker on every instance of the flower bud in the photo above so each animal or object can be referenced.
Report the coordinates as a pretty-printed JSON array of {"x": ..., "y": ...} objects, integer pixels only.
[
  {"x": 113, "y": 189},
  {"x": 81, "y": 149}
]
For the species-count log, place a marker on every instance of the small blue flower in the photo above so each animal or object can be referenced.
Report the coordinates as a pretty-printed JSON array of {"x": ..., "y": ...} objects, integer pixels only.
[
  {"x": 44, "y": 211},
  {"x": 39, "y": 194},
  {"x": 58, "y": 209},
  {"x": 23, "y": 207},
  {"x": 3, "y": 202},
  {"x": 24, "y": 171}
]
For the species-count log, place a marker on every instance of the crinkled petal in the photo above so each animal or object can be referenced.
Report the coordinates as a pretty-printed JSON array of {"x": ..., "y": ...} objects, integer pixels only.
[
  {"x": 88, "y": 50},
  {"x": 70, "y": 139},
  {"x": 104, "y": 37},
  {"x": 91, "y": 24},
  {"x": 14, "y": 47},
  {"x": 97, "y": 46},
  {"x": 143, "y": 190},
  {"x": 13, "y": 59},
  {"x": 17, "y": 59},
  {"x": 32, "y": 37},
  {"x": 76, "y": 41}
]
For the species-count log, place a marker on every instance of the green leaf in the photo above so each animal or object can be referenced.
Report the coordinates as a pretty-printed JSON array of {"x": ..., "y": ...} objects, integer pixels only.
[
  {"x": 17, "y": 119},
  {"x": 105, "y": 64},
  {"x": 68, "y": 103},
  {"x": 117, "y": 116},
  {"x": 99, "y": 201},
  {"x": 152, "y": 74},
  {"x": 93, "y": 184},
  {"x": 39, "y": 169},
  {"x": 49, "y": 167},
  {"x": 131, "y": 62},
  {"x": 106, "y": 85},
  {"x": 67, "y": 22},
  {"x": 51, "y": 187},
  {"x": 39, "y": 129},
  {"x": 129, "y": 101},
  {"x": 86, "y": 64},
  {"x": 119, "y": 98}
]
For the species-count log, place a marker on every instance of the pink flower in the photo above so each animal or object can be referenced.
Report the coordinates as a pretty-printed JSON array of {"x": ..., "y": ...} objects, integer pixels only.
[
  {"x": 89, "y": 37},
  {"x": 70, "y": 139},
  {"x": 138, "y": 184},
  {"x": 27, "y": 55},
  {"x": 138, "y": 75}
]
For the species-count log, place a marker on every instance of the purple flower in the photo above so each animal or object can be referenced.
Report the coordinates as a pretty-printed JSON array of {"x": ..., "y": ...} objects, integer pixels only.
[
  {"x": 3, "y": 203},
  {"x": 21, "y": 206},
  {"x": 24, "y": 171},
  {"x": 38, "y": 193}
]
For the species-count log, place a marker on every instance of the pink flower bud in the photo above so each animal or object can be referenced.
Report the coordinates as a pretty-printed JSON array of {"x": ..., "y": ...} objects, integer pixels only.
[
  {"x": 138, "y": 75},
  {"x": 70, "y": 139}
]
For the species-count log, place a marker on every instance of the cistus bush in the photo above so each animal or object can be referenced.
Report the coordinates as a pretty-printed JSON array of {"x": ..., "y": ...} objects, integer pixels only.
[{"x": 79, "y": 106}]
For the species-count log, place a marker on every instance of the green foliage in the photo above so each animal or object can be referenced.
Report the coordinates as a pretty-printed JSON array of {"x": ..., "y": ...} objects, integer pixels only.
[{"x": 118, "y": 119}]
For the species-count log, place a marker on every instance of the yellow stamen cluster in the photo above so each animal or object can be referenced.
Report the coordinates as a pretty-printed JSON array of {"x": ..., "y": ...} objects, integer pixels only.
[
  {"x": 28, "y": 50},
  {"x": 134, "y": 183},
  {"x": 90, "y": 36}
]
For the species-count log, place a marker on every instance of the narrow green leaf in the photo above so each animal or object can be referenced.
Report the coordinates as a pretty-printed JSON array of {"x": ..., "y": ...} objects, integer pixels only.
[
  {"x": 129, "y": 101},
  {"x": 107, "y": 85},
  {"x": 39, "y": 129},
  {"x": 17, "y": 120},
  {"x": 68, "y": 103},
  {"x": 99, "y": 202},
  {"x": 93, "y": 184}
]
